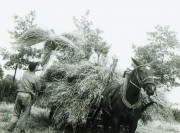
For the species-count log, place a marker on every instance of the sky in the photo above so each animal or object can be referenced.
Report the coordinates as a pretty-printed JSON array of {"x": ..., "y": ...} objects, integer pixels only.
[{"x": 123, "y": 22}]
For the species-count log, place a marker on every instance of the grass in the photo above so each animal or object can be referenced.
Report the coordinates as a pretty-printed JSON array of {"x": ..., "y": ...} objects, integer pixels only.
[
  {"x": 158, "y": 126},
  {"x": 39, "y": 123}
]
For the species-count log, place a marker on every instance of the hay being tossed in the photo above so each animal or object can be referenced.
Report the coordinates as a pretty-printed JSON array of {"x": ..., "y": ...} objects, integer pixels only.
[
  {"x": 36, "y": 35},
  {"x": 52, "y": 43},
  {"x": 33, "y": 36}
]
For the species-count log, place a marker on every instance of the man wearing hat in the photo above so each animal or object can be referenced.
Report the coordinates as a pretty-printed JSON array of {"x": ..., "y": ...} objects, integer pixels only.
[{"x": 27, "y": 89}]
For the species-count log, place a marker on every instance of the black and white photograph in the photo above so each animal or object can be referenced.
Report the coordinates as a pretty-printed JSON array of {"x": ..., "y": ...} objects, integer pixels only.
[{"x": 90, "y": 66}]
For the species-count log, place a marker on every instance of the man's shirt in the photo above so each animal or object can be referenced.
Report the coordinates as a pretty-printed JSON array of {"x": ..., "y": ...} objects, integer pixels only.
[
  {"x": 94, "y": 58},
  {"x": 29, "y": 83}
]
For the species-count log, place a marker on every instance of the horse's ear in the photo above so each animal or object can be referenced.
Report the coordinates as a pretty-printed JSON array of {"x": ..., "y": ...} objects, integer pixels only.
[{"x": 135, "y": 63}]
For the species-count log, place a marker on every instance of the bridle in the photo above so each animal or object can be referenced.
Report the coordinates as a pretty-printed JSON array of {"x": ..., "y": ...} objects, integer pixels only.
[{"x": 142, "y": 82}]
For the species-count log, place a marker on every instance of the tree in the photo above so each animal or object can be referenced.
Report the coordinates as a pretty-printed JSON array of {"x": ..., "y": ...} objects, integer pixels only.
[
  {"x": 1, "y": 73},
  {"x": 161, "y": 49},
  {"x": 89, "y": 37},
  {"x": 20, "y": 58}
]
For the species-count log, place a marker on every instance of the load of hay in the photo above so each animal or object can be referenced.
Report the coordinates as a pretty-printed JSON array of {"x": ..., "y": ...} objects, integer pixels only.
[{"x": 74, "y": 89}]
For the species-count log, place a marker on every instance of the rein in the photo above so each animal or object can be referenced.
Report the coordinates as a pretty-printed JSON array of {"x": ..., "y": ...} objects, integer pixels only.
[{"x": 135, "y": 84}]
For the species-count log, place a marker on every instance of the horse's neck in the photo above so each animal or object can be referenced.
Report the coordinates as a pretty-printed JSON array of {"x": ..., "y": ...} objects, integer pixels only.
[{"x": 132, "y": 92}]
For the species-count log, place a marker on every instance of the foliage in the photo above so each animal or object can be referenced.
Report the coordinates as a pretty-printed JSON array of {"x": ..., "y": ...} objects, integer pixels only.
[
  {"x": 176, "y": 114},
  {"x": 22, "y": 24},
  {"x": 1, "y": 73},
  {"x": 8, "y": 89},
  {"x": 161, "y": 49},
  {"x": 161, "y": 110},
  {"x": 19, "y": 58},
  {"x": 89, "y": 37}
]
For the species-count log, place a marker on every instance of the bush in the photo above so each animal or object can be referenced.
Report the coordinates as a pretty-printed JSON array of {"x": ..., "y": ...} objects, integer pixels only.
[
  {"x": 8, "y": 89},
  {"x": 176, "y": 114}
]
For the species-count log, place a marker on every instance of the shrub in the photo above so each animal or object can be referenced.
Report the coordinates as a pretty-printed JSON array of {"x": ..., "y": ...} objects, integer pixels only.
[
  {"x": 8, "y": 89},
  {"x": 176, "y": 114}
]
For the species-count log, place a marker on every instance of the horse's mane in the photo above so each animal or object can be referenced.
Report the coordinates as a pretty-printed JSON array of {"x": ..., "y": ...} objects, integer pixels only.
[{"x": 112, "y": 86}]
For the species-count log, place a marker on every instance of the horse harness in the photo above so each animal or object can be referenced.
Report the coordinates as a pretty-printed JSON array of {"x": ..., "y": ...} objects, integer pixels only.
[
  {"x": 141, "y": 83},
  {"x": 123, "y": 90}
]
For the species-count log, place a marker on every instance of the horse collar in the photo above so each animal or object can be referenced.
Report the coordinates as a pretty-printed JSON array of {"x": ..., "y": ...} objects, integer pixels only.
[{"x": 127, "y": 103}]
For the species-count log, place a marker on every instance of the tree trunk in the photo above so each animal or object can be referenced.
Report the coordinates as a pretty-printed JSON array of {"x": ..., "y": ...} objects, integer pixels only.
[
  {"x": 14, "y": 77},
  {"x": 162, "y": 78}
]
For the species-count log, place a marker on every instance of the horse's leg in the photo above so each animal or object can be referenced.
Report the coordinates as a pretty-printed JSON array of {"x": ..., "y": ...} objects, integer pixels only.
[
  {"x": 127, "y": 129},
  {"x": 122, "y": 129},
  {"x": 106, "y": 125},
  {"x": 132, "y": 127},
  {"x": 106, "y": 121},
  {"x": 116, "y": 125}
]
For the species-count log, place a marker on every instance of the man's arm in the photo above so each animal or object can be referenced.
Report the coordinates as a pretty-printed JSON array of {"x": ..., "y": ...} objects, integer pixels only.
[{"x": 38, "y": 85}]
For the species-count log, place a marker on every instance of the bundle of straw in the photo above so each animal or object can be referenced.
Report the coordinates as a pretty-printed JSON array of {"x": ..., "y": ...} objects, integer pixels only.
[
  {"x": 36, "y": 35},
  {"x": 33, "y": 36},
  {"x": 69, "y": 52}
]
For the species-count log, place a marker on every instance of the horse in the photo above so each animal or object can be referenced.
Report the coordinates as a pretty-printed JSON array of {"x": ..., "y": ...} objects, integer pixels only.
[{"x": 124, "y": 106}]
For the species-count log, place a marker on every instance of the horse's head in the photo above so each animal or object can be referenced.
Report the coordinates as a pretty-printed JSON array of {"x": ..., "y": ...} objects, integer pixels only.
[{"x": 144, "y": 74}]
